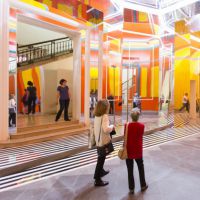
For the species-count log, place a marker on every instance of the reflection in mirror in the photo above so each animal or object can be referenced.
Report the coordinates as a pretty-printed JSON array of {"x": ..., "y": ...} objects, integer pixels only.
[{"x": 12, "y": 101}]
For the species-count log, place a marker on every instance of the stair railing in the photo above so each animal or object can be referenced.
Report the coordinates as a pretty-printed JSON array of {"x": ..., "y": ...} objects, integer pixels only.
[{"x": 36, "y": 52}]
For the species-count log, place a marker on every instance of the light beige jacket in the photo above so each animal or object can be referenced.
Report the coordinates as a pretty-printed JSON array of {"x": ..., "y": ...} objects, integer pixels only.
[{"x": 104, "y": 130}]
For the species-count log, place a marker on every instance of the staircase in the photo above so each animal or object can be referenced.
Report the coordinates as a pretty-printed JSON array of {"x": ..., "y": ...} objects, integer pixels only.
[
  {"x": 44, "y": 132},
  {"x": 43, "y": 51}
]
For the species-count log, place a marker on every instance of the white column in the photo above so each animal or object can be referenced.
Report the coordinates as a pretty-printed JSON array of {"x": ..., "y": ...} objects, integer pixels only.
[
  {"x": 76, "y": 104},
  {"x": 87, "y": 79},
  {"x": 100, "y": 65},
  {"x": 193, "y": 113},
  {"x": 4, "y": 69}
]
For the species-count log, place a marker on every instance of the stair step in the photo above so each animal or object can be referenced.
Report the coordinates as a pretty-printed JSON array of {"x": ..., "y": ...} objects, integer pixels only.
[
  {"x": 45, "y": 131},
  {"x": 46, "y": 125},
  {"x": 42, "y": 138}
]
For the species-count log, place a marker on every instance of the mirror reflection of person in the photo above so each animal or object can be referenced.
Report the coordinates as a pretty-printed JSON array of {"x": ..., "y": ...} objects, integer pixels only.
[
  {"x": 32, "y": 96},
  {"x": 162, "y": 100},
  {"x": 185, "y": 102},
  {"x": 63, "y": 97},
  {"x": 12, "y": 110},
  {"x": 111, "y": 101}
]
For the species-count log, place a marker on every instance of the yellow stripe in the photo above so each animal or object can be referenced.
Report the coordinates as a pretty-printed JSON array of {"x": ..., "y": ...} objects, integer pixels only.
[
  {"x": 143, "y": 81},
  {"x": 155, "y": 81},
  {"x": 34, "y": 3}
]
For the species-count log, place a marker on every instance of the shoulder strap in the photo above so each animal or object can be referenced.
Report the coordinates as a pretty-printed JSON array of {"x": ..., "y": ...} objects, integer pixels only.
[
  {"x": 100, "y": 129},
  {"x": 126, "y": 135}
]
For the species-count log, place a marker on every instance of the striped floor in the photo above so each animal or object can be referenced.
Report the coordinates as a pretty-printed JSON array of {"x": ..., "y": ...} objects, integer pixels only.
[
  {"x": 17, "y": 155},
  {"x": 89, "y": 157}
]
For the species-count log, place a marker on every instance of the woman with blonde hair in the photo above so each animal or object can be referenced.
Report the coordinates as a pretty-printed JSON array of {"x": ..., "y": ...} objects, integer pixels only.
[{"x": 102, "y": 130}]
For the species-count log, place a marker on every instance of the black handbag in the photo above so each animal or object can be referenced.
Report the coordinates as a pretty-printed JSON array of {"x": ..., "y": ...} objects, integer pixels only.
[{"x": 105, "y": 149}]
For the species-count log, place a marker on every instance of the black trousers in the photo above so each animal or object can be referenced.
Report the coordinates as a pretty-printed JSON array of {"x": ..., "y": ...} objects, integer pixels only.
[
  {"x": 185, "y": 105},
  {"x": 12, "y": 119},
  {"x": 99, "y": 167},
  {"x": 31, "y": 105},
  {"x": 64, "y": 105},
  {"x": 130, "y": 164}
]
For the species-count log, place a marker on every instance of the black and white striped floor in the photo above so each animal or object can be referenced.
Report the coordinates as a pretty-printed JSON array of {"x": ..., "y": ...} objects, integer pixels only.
[
  {"x": 18, "y": 155},
  {"x": 89, "y": 157}
]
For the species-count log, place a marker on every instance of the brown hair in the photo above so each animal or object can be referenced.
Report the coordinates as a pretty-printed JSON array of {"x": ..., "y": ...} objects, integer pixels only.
[{"x": 101, "y": 108}]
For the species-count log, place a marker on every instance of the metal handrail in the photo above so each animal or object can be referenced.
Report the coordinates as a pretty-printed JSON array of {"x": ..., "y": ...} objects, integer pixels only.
[
  {"x": 36, "y": 52},
  {"x": 47, "y": 41}
]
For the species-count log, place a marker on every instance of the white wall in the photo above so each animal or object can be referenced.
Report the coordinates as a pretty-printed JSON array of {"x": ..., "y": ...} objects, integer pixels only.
[
  {"x": 53, "y": 72},
  {"x": 28, "y": 34}
]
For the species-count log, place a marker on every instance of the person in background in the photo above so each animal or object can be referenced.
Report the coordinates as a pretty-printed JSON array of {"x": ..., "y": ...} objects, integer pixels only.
[
  {"x": 32, "y": 96},
  {"x": 25, "y": 101},
  {"x": 92, "y": 102},
  {"x": 135, "y": 150},
  {"x": 102, "y": 128},
  {"x": 63, "y": 97},
  {"x": 12, "y": 110},
  {"x": 185, "y": 102},
  {"x": 111, "y": 101},
  {"x": 162, "y": 100},
  {"x": 135, "y": 100}
]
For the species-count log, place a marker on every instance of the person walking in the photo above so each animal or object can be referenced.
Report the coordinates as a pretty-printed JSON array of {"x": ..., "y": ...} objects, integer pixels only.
[
  {"x": 185, "y": 102},
  {"x": 32, "y": 96},
  {"x": 102, "y": 130},
  {"x": 135, "y": 151},
  {"x": 12, "y": 111},
  {"x": 63, "y": 96}
]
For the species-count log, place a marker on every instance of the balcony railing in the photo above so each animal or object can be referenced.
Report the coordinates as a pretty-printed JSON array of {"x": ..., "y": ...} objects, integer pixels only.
[{"x": 32, "y": 53}]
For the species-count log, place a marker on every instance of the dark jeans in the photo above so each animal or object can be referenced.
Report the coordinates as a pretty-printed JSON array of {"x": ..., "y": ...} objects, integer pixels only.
[
  {"x": 12, "y": 119},
  {"x": 185, "y": 105},
  {"x": 64, "y": 105},
  {"x": 111, "y": 110},
  {"x": 130, "y": 164},
  {"x": 31, "y": 105},
  {"x": 99, "y": 167}
]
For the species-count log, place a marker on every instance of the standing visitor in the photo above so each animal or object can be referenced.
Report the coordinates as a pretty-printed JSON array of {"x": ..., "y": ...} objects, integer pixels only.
[
  {"x": 135, "y": 151},
  {"x": 185, "y": 102},
  {"x": 102, "y": 130},
  {"x": 111, "y": 101},
  {"x": 92, "y": 103},
  {"x": 32, "y": 96},
  {"x": 63, "y": 97},
  {"x": 12, "y": 111},
  {"x": 162, "y": 100},
  {"x": 135, "y": 100}
]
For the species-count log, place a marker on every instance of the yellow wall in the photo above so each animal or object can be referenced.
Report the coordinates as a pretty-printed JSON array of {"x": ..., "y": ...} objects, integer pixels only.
[
  {"x": 93, "y": 78},
  {"x": 181, "y": 75},
  {"x": 143, "y": 82},
  {"x": 155, "y": 82}
]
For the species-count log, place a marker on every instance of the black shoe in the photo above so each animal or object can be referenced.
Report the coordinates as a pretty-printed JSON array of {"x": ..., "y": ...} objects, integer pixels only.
[
  {"x": 104, "y": 173},
  {"x": 131, "y": 191},
  {"x": 100, "y": 183},
  {"x": 67, "y": 120},
  {"x": 144, "y": 188}
]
